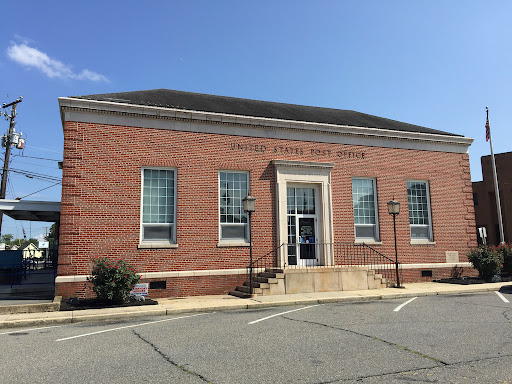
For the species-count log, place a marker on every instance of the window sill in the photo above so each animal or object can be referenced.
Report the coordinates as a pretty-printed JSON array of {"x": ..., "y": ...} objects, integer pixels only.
[
  {"x": 422, "y": 242},
  {"x": 233, "y": 244},
  {"x": 368, "y": 241},
  {"x": 147, "y": 245}
]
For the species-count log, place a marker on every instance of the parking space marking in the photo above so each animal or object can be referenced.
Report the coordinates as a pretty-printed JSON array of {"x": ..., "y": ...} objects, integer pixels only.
[
  {"x": 129, "y": 326},
  {"x": 502, "y": 297},
  {"x": 282, "y": 313},
  {"x": 404, "y": 304},
  {"x": 30, "y": 329}
]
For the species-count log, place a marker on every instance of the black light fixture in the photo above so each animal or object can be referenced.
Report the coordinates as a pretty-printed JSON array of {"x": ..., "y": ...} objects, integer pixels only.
[
  {"x": 249, "y": 205},
  {"x": 394, "y": 209}
]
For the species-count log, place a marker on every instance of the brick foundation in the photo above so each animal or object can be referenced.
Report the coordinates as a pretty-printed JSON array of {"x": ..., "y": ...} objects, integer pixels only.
[
  {"x": 175, "y": 286},
  {"x": 414, "y": 275}
]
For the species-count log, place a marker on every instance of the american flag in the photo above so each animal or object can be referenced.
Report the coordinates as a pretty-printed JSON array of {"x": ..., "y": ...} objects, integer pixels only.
[{"x": 487, "y": 130}]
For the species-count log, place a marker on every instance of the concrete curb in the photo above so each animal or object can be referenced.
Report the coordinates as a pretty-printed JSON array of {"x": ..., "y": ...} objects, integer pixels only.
[{"x": 172, "y": 307}]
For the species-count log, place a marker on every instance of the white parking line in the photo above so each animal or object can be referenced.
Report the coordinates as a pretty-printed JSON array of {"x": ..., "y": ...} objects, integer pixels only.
[
  {"x": 128, "y": 326},
  {"x": 404, "y": 304},
  {"x": 30, "y": 329},
  {"x": 282, "y": 313},
  {"x": 502, "y": 297}
]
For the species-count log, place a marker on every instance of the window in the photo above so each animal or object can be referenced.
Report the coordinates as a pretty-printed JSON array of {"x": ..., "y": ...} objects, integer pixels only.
[
  {"x": 364, "y": 202},
  {"x": 419, "y": 210},
  {"x": 158, "y": 205},
  {"x": 233, "y": 187}
]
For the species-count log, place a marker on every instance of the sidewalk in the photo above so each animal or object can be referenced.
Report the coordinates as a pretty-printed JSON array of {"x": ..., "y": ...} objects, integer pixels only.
[{"x": 226, "y": 302}]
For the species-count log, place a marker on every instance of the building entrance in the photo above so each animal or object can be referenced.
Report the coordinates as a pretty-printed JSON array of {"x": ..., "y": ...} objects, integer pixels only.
[{"x": 302, "y": 232}]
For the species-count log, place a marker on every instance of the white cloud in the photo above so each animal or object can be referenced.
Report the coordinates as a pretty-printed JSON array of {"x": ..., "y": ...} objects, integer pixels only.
[
  {"x": 23, "y": 39},
  {"x": 32, "y": 57}
]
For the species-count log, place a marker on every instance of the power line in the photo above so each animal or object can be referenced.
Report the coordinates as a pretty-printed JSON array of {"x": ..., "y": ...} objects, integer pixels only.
[
  {"x": 37, "y": 165},
  {"x": 40, "y": 158},
  {"x": 43, "y": 149},
  {"x": 33, "y": 193},
  {"x": 35, "y": 175},
  {"x": 11, "y": 188}
]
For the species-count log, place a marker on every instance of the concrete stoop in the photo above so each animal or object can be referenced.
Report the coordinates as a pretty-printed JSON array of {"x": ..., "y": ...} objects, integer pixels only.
[
  {"x": 276, "y": 281},
  {"x": 31, "y": 308}
]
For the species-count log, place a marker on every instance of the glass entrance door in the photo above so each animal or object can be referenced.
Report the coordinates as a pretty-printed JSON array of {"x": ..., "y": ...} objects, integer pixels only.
[{"x": 302, "y": 227}]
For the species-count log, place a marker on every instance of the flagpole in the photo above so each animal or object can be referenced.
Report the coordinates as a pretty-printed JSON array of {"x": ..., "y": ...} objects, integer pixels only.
[{"x": 496, "y": 189}]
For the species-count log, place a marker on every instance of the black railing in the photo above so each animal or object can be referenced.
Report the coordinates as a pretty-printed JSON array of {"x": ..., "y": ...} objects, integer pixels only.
[
  {"x": 362, "y": 254},
  {"x": 321, "y": 255},
  {"x": 264, "y": 263},
  {"x": 29, "y": 272}
]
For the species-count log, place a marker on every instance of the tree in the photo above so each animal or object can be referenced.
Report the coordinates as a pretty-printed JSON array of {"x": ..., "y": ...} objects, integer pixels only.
[
  {"x": 7, "y": 239},
  {"x": 27, "y": 242},
  {"x": 51, "y": 236}
]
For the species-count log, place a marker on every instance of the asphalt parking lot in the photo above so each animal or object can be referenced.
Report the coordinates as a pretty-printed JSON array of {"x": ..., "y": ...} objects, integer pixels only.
[{"x": 445, "y": 339}]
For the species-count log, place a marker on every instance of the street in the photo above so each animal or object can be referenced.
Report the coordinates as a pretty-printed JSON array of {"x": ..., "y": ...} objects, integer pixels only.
[{"x": 430, "y": 339}]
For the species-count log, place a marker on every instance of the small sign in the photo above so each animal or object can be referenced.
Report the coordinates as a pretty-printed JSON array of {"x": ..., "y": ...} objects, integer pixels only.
[
  {"x": 2, "y": 246},
  {"x": 44, "y": 244},
  {"x": 141, "y": 289}
]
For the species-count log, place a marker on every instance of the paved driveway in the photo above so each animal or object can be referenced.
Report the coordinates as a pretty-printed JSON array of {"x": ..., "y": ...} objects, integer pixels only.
[{"x": 445, "y": 339}]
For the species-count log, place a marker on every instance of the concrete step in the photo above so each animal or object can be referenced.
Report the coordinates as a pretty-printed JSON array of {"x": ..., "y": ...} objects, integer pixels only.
[
  {"x": 269, "y": 280},
  {"x": 267, "y": 274},
  {"x": 242, "y": 295},
  {"x": 275, "y": 270},
  {"x": 246, "y": 289},
  {"x": 274, "y": 275},
  {"x": 257, "y": 284}
]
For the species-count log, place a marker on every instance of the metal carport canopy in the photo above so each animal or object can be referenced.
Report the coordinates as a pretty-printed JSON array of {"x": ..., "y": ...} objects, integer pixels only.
[{"x": 31, "y": 210}]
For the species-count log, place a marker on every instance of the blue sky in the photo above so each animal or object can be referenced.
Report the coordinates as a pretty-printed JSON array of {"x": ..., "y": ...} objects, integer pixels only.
[{"x": 435, "y": 64}]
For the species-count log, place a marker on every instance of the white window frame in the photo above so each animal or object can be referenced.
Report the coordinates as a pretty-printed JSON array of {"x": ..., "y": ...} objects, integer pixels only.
[
  {"x": 233, "y": 241},
  {"x": 430, "y": 237},
  {"x": 375, "y": 206},
  {"x": 157, "y": 243}
]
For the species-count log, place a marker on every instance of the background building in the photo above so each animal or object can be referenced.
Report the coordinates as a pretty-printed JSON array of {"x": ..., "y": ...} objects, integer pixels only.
[{"x": 484, "y": 198}]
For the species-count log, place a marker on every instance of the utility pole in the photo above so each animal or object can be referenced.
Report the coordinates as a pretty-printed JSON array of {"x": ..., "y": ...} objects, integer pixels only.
[{"x": 8, "y": 143}]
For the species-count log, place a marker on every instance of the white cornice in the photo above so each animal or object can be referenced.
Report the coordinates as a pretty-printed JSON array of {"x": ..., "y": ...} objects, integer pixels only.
[
  {"x": 129, "y": 114},
  {"x": 301, "y": 164}
]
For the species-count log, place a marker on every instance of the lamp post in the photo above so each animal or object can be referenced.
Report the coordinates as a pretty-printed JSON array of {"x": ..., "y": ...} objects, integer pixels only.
[
  {"x": 249, "y": 204},
  {"x": 394, "y": 209}
]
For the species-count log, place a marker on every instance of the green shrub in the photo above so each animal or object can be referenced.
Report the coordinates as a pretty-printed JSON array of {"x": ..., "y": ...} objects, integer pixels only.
[
  {"x": 487, "y": 260},
  {"x": 112, "y": 281},
  {"x": 506, "y": 253}
]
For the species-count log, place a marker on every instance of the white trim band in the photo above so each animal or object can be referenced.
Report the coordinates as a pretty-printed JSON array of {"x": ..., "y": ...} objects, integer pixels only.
[
  {"x": 243, "y": 271},
  {"x": 160, "y": 275}
]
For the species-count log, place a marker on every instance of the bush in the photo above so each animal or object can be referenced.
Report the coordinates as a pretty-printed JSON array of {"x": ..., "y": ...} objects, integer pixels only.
[
  {"x": 112, "y": 281},
  {"x": 487, "y": 260},
  {"x": 506, "y": 254}
]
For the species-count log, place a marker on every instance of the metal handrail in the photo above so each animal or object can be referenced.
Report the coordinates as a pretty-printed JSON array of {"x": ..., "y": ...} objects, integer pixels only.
[{"x": 338, "y": 254}]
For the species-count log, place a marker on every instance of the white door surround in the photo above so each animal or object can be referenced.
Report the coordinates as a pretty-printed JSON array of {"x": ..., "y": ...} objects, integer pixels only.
[{"x": 308, "y": 175}]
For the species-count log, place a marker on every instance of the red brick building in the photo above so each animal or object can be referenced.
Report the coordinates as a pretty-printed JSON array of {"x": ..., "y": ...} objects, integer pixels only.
[
  {"x": 484, "y": 198},
  {"x": 158, "y": 177}
]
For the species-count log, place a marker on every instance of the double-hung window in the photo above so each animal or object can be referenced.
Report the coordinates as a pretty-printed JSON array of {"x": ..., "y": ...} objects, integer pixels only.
[
  {"x": 418, "y": 197},
  {"x": 158, "y": 205},
  {"x": 233, "y": 187},
  {"x": 364, "y": 202}
]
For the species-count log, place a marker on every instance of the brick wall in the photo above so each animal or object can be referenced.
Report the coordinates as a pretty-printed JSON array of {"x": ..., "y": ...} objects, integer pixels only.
[{"x": 101, "y": 195}]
